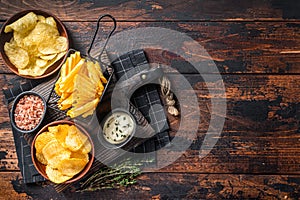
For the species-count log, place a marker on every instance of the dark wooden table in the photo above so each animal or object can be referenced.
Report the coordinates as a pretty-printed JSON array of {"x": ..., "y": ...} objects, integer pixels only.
[{"x": 256, "y": 47}]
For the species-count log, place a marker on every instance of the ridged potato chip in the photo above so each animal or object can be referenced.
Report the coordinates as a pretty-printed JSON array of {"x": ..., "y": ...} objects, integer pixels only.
[
  {"x": 86, "y": 148},
  {"x": 80, "y": 155},
  {"x": 52, "y": 149},
  {"x": 40, "y": 157},
  {"x": 54, "y": 161},
  {"x": 56, "y": 176},
  {"x": 71, "y": 166},
  {"x": 61, "y": 134},
  {"x": 75, "y": 139},
  {"x": 42, "y": 140},
  {"x": 64, "y": 150}
]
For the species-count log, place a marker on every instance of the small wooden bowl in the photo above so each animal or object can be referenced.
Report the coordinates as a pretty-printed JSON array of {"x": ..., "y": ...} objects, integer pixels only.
[
  {"x": 42, "y": 168},
  {"x": 5, "y": 37}
]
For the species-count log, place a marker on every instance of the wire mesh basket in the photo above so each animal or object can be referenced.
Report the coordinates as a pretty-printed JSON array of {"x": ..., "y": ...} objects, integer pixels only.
[{"x": 104, "y": 63}]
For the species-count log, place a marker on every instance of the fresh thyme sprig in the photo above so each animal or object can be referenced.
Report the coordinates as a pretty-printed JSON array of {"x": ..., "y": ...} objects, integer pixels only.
[{"x": 121, "y": 174}]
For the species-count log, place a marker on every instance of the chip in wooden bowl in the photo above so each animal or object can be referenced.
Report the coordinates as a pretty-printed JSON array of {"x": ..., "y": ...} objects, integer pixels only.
[
  {"x": 33, "y": 44},
  {"x": 62, "y": 152}
]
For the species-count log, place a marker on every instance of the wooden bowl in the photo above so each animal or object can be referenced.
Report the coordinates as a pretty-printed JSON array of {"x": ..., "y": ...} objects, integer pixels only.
[
  {"x": 41, "y": 168},
  {"x": 5, "y": 37}
]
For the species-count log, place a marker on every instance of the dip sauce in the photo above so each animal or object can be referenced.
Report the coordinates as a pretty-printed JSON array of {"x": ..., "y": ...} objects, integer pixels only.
[{"x": 118, "y": 127}]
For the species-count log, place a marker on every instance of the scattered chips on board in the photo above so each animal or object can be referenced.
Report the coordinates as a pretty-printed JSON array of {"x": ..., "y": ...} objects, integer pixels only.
[
  {"x": 80, "y": 86},
  {"x": 35, "y": 45},
  {"x": 56, "y": 148}
]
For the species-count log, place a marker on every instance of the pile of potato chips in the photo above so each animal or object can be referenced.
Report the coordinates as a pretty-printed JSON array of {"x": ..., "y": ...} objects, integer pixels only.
[
  {"x": 64, "y": 150},
  {"x": 79, "y": 86},
  {"x": 36, "y": 44}
]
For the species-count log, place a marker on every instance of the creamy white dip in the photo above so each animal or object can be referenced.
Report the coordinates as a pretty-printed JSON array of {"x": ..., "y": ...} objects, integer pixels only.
[{"x": 118, "y": 127}]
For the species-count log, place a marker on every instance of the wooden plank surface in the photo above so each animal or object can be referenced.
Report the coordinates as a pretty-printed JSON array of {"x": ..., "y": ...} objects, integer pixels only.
[
  {"x": 169, "y": 186},
  {"x": 235, "y": 47},
  {"x": 178, "y": 10}
]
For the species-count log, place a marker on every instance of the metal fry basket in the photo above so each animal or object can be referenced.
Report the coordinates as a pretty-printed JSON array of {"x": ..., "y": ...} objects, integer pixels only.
[{"x": 107, "y": 70}]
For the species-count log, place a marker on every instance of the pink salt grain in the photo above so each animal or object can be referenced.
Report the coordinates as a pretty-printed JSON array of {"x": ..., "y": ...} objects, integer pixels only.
[{"x": 28, "y": 112}]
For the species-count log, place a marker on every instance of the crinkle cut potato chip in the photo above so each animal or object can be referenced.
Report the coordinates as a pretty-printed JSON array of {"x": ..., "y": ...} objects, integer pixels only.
[
  {"x": 42, "y": 140},
  {"x": 40, "y": 157},
  {"x": 61, "y": 134},
  {"x": 36, "y": 44},
  {"x": 52, "y": 150},
  {"x": 55, "y": 161},
  {"x": 75, "y": 139},
  {"x": 55, "y": 175},
  {"x": 64, "y": 150},
  {"x": 71, "y": 166},
  {"x": 86, "y": 148},
  {"x": 80, "y": 155}
]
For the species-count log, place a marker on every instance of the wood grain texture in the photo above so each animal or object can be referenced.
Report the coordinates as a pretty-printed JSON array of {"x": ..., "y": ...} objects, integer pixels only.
[
  {"x": 235, "y": 47},
  {"x": 261, "y": 131},
  {"x": 216, "y": 186},
  {"x": 7, "y": 188},
  {"x": 169, "y": 186},
  {"x": 178, "y": 10},
  {"x": 8, "y": 156}
]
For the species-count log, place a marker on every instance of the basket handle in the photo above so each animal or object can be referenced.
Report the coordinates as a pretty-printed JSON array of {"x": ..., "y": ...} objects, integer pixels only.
[{"x": 95, "y": 34}]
